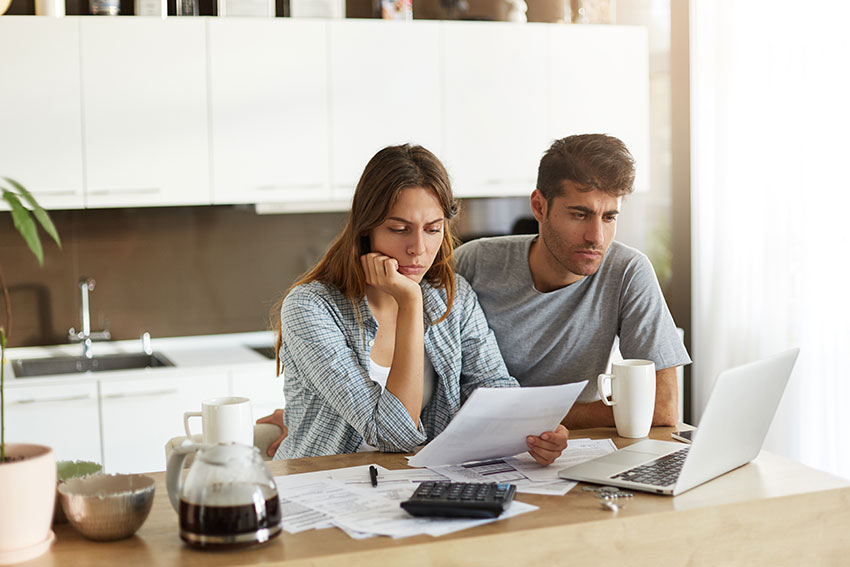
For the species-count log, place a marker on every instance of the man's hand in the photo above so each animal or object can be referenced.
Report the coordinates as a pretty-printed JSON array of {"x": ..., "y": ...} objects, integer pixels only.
[
  {"x": 549, "y": 445},
  {"x": 275, "y": 419}
]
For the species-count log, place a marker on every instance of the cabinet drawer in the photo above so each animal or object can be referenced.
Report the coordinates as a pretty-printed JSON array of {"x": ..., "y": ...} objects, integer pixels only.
[{"x": 64, "y": 417}]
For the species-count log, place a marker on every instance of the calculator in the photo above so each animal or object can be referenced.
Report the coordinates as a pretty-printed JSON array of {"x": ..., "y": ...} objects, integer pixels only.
[{"x": 460, "y": 499}]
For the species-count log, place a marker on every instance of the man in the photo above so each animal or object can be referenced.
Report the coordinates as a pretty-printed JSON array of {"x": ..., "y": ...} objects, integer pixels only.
[{"x": 557, "y": 300}]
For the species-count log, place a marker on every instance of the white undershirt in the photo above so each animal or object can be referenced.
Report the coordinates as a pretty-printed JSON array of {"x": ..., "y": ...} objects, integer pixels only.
[{"x": 379, "y": 374}]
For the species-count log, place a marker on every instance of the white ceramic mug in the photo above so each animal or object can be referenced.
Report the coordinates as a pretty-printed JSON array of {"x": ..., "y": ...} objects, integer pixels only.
[
  {"x": 224, "y": 420},
  {"x": 632, "y": 396}
]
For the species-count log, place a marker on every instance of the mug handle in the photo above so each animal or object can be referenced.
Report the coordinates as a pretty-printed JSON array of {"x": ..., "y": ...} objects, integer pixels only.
[
  {"x": 186, "y": 417},
  {"x": 599, "y": 382}
]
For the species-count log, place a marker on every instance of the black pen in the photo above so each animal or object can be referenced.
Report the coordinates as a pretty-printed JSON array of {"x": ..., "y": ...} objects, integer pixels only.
[{"x": 373, "y": 475}]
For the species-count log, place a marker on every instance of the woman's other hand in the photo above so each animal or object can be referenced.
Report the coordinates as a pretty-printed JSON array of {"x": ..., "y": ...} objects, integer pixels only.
[
  {"x": 549, "y": 445},
  {"x": 275, "y": 418}
]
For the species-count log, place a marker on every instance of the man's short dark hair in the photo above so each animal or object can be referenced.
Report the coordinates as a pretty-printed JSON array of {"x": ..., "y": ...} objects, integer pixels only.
[{"x": 591, "y": 161}]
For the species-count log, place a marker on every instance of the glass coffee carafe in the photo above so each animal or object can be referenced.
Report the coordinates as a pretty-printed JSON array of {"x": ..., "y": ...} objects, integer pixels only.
[{"x": 228, "y": 498}]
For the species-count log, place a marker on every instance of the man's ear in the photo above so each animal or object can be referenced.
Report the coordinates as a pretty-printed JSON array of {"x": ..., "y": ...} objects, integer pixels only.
[{"x": 538, "y": 205}]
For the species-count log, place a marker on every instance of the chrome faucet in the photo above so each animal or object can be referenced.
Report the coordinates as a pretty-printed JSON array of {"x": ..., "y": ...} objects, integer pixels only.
[{"x": 86, "y": 335}]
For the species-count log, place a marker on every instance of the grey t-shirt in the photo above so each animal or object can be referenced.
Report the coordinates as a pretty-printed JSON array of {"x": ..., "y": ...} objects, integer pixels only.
[{"x": 566, "y": 335}]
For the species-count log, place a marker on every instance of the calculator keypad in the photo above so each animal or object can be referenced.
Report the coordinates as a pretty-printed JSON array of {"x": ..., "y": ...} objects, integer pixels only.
[{"x": 460, "y": 499}]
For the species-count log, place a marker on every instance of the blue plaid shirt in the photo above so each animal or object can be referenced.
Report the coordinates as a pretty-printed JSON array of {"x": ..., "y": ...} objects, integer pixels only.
[{"x": 331, "y": 403}]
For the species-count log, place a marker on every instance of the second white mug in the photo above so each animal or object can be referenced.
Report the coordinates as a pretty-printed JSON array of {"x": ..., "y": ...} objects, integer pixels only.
[
  {"x": 632, "y": 396},
  {"x": 224, "y": 420}
]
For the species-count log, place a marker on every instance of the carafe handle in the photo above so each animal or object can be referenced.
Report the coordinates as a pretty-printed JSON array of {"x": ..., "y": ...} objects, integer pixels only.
[{"x": 174, "y": 470}]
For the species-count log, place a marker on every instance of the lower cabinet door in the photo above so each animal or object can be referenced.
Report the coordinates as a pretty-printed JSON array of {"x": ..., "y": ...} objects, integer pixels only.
[
  {"x": 141, "y": 415},
  {"x": 261, "y": 386},
  {"x": 63, "y": 417}
]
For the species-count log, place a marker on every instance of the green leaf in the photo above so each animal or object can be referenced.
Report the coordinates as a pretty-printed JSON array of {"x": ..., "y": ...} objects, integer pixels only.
[
  {"x": 39, "y": 213},
  {"x": 25, "y": 225},
  {"x": 73, "y": 469}
]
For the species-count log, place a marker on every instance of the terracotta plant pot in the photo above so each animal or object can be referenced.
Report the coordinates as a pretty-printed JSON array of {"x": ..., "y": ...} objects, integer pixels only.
[{"x": 27, "y": 492}]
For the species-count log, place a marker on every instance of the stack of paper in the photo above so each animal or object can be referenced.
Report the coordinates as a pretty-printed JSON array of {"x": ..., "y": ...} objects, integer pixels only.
[{"x": 346, "y": 499}]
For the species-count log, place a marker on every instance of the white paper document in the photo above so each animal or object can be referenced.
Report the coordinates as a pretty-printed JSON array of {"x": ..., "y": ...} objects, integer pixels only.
[
  {"x": 345, "y": 498},
  {"x": 494, "y": 423},
  {"x": 578, "y": 451},
  {"x": 496, "y": 470}
]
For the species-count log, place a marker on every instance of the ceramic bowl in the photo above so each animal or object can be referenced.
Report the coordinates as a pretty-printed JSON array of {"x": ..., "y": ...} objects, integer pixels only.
[{"x": 106, "y": 507}]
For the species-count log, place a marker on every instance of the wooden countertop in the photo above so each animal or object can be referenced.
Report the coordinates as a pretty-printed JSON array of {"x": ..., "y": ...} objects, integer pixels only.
[{"x": 772, "y": 511}]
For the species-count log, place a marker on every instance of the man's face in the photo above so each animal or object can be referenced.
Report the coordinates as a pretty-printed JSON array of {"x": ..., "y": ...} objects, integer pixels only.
[{"x": 576, "y": 230}]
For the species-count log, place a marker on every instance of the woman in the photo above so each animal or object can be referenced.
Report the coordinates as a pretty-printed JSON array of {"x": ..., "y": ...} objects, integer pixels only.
[{"x": 380, "y": 342}]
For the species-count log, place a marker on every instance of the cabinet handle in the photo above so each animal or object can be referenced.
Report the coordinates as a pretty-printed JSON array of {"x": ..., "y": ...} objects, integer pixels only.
[
  {"x": 141, "y": 394},
  {"x": 54, "y": 192},
  {"x": 127, "y": 191},
  {"x": 294, "y": 186},
  {"x": 518, "y": 181},
  {"x": 54, "y": 399}
]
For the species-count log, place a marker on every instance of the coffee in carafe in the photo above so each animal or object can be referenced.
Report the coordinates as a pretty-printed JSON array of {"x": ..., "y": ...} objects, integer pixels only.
[
  {"x": 229, "y": 517},
  {"x": 228, "y": 500}
]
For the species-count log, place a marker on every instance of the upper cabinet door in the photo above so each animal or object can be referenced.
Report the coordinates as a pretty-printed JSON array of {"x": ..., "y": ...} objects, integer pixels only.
[
  {"x": 145, "y": 107},
  {"x": 385, "y": 90},
  {"x": 600, "y": 84},
  {"x": 497, "y": 96},
  {"x": 269, "y": 108},
  {"x": 40, "y": 124}
]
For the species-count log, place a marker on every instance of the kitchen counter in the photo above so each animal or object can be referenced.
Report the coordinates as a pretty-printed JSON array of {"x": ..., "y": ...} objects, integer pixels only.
[{"x": 197, "y": 352}]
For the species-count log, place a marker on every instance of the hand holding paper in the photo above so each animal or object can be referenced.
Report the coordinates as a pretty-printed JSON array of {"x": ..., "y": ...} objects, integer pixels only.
[
  {"x": 549, "y": 445},
  {"x": 495, "y": 422}
]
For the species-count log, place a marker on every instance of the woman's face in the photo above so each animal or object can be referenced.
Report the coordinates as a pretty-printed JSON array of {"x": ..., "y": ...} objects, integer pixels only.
[{"x": 412, "y": 232}]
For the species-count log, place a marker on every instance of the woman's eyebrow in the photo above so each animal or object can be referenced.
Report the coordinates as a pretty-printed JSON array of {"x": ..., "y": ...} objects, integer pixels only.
[{"x": 405, "y": 221}]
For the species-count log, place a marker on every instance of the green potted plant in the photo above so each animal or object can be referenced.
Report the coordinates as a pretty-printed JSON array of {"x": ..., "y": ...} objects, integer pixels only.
[{"x": 27, "y": 472}]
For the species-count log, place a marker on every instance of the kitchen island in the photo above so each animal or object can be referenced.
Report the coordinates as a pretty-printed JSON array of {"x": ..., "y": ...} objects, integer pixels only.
[{"x": 769, "y": 512}]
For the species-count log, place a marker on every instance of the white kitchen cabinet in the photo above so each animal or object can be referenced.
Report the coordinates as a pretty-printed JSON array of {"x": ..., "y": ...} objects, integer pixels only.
[
  {"x": 496, "y": 100},
  {"x": 600, "y": 83},
  {"x": 261, "y": 386},
  {"x": 140, "y": 415},
  {"x": 269, "y": 110},
  {"x": 40, "y": 117},
  {"x": 144, "y": 84},
  {"x": 62, "y": 416},
  {"x": 386, "y": 89},
  {"x": 123, "y": 112}
]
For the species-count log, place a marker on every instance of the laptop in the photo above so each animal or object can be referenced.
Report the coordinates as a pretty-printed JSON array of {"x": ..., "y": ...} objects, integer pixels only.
[{"x": 731, "y": 433}]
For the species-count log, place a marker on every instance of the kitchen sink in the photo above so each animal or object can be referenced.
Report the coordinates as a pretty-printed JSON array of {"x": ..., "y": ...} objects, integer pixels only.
[
  {"x": 25, "y": 368},
  {"x": 266, "y": 351}
]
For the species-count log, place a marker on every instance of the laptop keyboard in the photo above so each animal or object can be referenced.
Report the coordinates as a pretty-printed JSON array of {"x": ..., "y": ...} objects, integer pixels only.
[{"x": 663, "y": 471}]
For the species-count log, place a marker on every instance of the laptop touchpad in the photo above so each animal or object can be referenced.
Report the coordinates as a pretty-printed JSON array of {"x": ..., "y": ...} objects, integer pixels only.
[{"x": 628, "y": 458}]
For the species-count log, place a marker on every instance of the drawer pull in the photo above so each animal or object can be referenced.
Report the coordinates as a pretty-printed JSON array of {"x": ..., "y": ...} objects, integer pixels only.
[
  {"x": 141, "y": 394},
  {"x": 127, "y": 191},
  {"x": 54, "y": 399},
  {"x": 508, "y": 181},
  {"x": 55, "y": 192},
  {"x": 289, "y": 187}
]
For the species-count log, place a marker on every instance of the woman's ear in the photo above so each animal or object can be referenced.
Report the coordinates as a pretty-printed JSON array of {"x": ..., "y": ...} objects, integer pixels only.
[{"x": 365, "y": 245}]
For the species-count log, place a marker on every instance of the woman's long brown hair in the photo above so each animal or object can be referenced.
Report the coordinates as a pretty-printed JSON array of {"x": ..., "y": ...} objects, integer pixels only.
[{"x": 390, "y": 171}]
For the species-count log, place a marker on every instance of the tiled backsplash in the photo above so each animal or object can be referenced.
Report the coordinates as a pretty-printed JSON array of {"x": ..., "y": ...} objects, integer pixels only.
[
  {"x": 168, "y": 271},
  {"x": 180, "y": 270}
]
